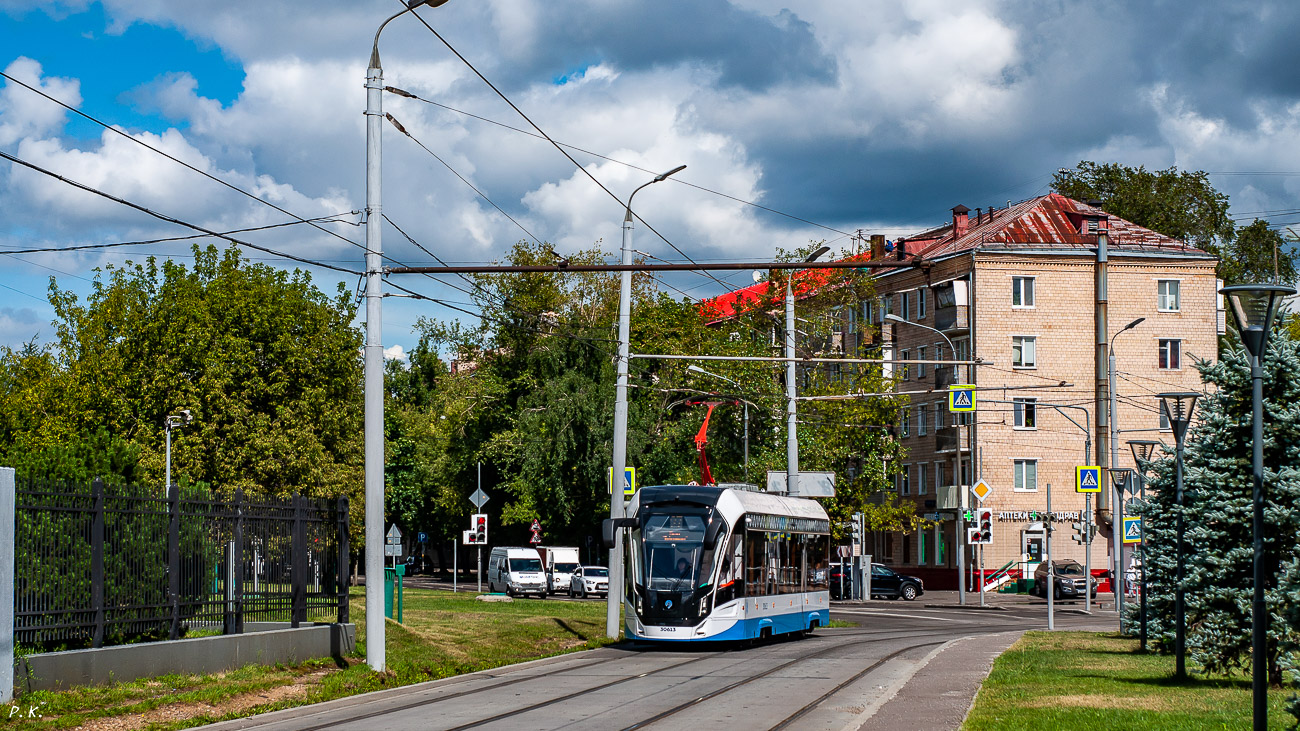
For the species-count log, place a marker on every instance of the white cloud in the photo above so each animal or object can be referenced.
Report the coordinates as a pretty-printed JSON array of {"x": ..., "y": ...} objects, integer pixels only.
[
  {"x": 395, "y": 352},
  {"x": 24, "y": 114}
]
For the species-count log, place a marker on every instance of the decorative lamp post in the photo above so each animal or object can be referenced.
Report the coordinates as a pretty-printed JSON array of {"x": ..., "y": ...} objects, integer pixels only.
[
  {"x": 1253, "y": 307},
  {"x": 1119, "y": 480},
  {"x": 1143, "y": 449},
  {"x": 1177, "y": 408},
  {"x": 174, "y": 422}
]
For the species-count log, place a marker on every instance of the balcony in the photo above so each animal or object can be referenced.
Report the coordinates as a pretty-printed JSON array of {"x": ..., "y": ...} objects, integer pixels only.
[
  {"x": 949, "y": 498},
  {"x": 945, "y": 376},
  {"x": 950, "y": 319}
]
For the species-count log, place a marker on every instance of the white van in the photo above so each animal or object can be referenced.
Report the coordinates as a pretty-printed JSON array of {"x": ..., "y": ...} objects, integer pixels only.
[
  {"x": 516, "y": 571},
  {"x": 559, "y": 564}
]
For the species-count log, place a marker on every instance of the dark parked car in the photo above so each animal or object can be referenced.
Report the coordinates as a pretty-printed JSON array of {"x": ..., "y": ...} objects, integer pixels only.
[
  {"x": 841, "y": 582},
  {"x": 1071, "y": 583},
  {"x": 885, "y": 582}
]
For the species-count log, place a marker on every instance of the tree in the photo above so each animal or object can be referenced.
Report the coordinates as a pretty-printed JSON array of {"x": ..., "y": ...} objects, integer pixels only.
[
  {"x": 1179, "y": 204},
  {"x": 533, "y": 397},
  {"x": 1258, "y": 254},
  {"x": 1217, "y": 514},
  {"x": 268, "y": 365}
]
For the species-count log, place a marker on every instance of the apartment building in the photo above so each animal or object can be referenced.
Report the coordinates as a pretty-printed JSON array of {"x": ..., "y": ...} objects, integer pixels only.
[{"x": 1014, "y": 288}]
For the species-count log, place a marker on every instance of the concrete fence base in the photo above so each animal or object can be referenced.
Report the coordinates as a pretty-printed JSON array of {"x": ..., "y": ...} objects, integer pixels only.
[{"x": 265, "y": 643}]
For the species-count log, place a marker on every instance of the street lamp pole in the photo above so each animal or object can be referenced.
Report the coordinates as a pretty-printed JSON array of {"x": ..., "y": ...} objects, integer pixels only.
[
  {"x": 959, "y": 531},
  {"x": 1142, "y": 449},
  {"x": 1177, "y": 408},
  {"x": 1117, "y": 513},
  {"x": 1254, "y": 307},
  {"x": 791, "y": 427},
  {"x": 614, "y": 597},
  {"x": 373, "y": 372},
  {"x": 696, "y": 369},
  {"x": 173, "y": 422}
]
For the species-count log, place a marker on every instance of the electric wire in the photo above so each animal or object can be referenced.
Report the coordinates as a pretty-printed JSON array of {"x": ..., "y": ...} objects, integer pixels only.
[
  {"x": 177, "y": 160},
  {"x": 169, "y": 219},
  {"x": 84, "y": 247},
  {"x": 409, "y": 95}
]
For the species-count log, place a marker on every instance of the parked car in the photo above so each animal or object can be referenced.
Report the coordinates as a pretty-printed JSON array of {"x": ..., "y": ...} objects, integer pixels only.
[
  {"x": 588, "y": 580},
  {"x": 887, "y": 583},
  {"x": 1071, "y": 581}
]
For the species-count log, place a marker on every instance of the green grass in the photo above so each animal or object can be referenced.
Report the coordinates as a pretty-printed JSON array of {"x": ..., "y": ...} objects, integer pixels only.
[
  {"x": 444, "y": 634},
  {"x": 1086, "y": 680}
]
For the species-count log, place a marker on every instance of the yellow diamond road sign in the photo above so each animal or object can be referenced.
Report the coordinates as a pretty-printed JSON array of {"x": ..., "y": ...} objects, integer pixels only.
[
  {"x": 981, "y": 490},
  {"x": 961, "y": 398}
]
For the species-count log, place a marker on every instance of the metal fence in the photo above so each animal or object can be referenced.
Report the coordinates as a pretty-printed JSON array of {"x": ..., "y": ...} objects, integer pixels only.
[{"x": 98, "y": 565}]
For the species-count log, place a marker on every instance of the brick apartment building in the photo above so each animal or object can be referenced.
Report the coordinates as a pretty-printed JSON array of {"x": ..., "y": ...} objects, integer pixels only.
[{"x": 1015, "y": 287}]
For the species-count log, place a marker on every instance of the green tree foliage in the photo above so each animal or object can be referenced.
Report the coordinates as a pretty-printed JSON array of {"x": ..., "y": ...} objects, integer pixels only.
[
  {"x": 268, "y": 365},
  {"x": 1179, "y": 204},
  {"x": 1217, "y": 515},
  {"x": 1253, "y": 255},
  {"x": 532, "y": 397}
]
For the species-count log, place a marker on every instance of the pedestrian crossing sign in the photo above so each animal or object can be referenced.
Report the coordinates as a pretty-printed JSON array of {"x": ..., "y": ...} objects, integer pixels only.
[
  {"x": 1133, "y": 529},
  {"x": 961, "y": 398},
  {"x": 1087, "y": 479}
]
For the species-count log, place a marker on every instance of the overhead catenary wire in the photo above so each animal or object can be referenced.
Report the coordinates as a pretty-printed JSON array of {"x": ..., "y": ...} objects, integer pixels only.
[
  {"x": 169, "y": 219},
  {"x": 409, "y": 95},
  {"x": 172, "y": 239}
]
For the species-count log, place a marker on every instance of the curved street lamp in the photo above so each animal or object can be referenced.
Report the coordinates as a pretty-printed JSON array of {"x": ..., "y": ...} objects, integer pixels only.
[
  {"x": 1143, "y": 450},
  {"x": 373, "y": 377},
  {"x": 1253, "y": 307},
  {"x": 1177, "y": 407},
  {"x": 614, "y": 597}
]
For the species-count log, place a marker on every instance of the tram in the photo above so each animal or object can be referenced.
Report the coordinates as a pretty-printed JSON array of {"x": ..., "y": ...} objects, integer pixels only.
[{"x": 718, "y": 563}]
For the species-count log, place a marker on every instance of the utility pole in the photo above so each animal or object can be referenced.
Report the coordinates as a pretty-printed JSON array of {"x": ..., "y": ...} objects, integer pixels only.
[{"x": 614, "y": 597}]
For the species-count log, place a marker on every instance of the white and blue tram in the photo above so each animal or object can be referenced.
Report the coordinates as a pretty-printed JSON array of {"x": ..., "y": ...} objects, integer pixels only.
[{"x": 710, "y": 563}]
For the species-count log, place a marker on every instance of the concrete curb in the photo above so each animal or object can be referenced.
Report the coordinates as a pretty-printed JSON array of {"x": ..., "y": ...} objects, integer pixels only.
[{"x": 976, "y": 608}]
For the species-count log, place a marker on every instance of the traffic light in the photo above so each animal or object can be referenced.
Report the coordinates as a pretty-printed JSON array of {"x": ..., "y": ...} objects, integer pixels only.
[
  {"x": 479, "y": 526},
  {"x": 856, "y": 527},
  {"x": 984, "y": 520},
  {"x": 973, "y": 535}
]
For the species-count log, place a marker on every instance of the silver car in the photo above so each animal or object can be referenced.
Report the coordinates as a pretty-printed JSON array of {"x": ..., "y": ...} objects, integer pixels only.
[{"x": 589, "y": 580}]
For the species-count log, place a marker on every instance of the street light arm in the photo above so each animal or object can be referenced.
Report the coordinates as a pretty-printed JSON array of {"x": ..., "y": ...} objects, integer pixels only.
[
  {"x": 374, "y": 48},
  {"x": 891, "y": 317},
  {"x": 627, "y": 217}
]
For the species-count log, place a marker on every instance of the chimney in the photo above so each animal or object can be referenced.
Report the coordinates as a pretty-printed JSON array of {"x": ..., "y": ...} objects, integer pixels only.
[
  {"x": 960, "y": 221},
  {"x": 979, "y": 216}
]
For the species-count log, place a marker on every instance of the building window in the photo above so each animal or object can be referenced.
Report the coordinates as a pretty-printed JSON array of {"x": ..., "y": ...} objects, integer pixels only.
[
  {"x": 1026, "y": 479},
  {"x": 921, "y": 419},
  {"x": 922, "y": 475},
  {"x": 905, "y": 369},
  {"x": 907, "y": 305},
  {"x": 1023, "y": 353},
  {"x": 1022, "y": 291},
  {"x": 920, "y": 303},
  {"x": 907, "y": 549},
  {"x": 1167, "y": 299},
  {"x": 938, "y": 476},
  {"x": 905, "y": 480},
  {"x": 905, "y": 425},
  {"x": 889, "y": 546},
  {"x": 887, "y": 305},
  {"x": 1024, "y": 410},
  {"x": 940, "y": 557},
  {"x": 1164, "y": 420},
  {"x": 920, "y": 367},
  {"x": 1170, "y": 355},
  {"x": 938, "y": 416},
  {"x": 920, "y": 548},
  {"x": 869, "y": 312}
]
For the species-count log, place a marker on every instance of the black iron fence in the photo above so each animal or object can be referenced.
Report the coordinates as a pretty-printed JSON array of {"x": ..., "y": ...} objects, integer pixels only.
[{"x": 101, "y": 565}]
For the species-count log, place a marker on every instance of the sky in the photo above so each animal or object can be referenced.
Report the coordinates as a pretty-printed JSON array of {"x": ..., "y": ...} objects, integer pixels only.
[{"x": 796, "y": 124}]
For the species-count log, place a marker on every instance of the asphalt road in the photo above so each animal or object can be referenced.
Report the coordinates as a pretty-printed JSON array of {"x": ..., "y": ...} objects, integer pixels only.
[{"x": 904, "y": 665}]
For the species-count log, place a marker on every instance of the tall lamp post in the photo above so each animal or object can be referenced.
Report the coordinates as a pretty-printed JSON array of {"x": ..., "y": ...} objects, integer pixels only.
[
  {"x": 1253, "y": 307},
  {"x": 1119, "y": 480},
  {"x": 374, "y": 352},
  {"x": 174, "y": 422},
  {"x": 791, "y": 417},
  {"x": 1177, "y": 408},
  {"x": 1117, "y": 513},
  {"x": 614, "y": 597},
  {"x": 696, "y": 369},
  {"x": 959, "y": 531},
  {"x": 1143, "y": 449}
]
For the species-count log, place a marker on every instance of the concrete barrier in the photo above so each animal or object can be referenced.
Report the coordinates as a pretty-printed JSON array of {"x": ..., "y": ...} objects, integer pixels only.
[{"x": 272, "y": 643}]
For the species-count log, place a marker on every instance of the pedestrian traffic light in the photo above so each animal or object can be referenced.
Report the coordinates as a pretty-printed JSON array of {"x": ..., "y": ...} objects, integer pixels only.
[
  {"x": 984, "y": 519},
  {"x": 478, "y": 528}
]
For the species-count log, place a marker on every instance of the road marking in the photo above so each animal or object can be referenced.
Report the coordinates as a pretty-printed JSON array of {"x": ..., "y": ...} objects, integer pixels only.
[{"x": 876, "y": 613}]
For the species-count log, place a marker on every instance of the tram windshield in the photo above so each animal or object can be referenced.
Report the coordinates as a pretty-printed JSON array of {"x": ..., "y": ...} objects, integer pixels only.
[{"x": 675, "y": 556}]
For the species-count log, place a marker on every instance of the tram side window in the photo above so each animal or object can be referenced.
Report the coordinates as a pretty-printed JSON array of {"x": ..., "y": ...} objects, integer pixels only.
[
  {"x": 792, "y": 564},
  {"x": 731, "y": 576},
  {"x": 818, "y": 568},
  {"x": 755, "y": 548}
]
